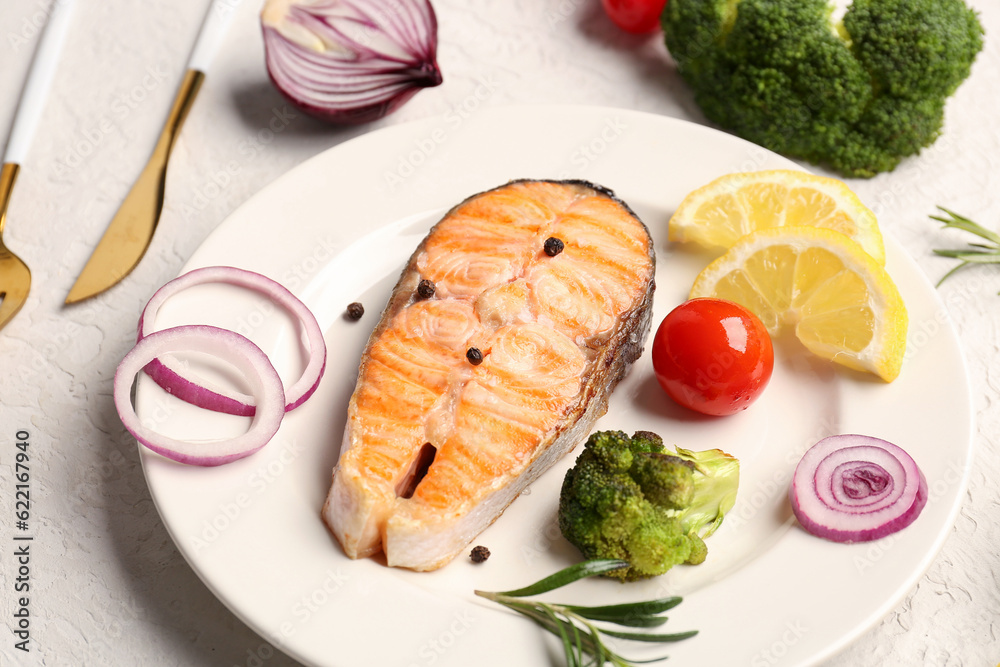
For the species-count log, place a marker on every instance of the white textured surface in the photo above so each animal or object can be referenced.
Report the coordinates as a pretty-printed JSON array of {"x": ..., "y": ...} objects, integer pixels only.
[{"x": 108, "y": 586}]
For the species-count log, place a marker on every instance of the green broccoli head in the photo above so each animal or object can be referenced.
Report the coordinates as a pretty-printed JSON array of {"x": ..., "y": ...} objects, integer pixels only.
[
  {"x": 858, "y": 96},
  {"x": 929, "y": 49},
  {"x": 666, "y": 481},
  {"x": 626, "y": 498}
]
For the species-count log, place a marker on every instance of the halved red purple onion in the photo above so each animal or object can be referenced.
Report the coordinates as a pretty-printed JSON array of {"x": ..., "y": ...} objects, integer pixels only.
[
  {"x": 228, "y": 346},
  {"x": 350, "y": 61},
  {"x": 169, "y": 373},
  {"x": 856, "y": 488}
]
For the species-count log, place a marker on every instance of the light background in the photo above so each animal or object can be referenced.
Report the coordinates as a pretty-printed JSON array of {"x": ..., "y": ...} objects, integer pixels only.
[{"x": 109, "y": 587}]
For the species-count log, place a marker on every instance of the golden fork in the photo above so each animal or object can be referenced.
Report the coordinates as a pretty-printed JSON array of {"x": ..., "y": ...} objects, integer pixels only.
[{"x": 15, "y": 278}]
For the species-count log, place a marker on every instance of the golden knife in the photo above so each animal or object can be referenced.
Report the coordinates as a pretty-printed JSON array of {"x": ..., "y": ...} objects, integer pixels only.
[{"x": 131, "y": 230}]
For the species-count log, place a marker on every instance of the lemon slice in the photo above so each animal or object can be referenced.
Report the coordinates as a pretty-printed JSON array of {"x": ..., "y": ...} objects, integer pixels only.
[
  {"x": 718, "y": 214},
  {"x": 843, "y": 304}
]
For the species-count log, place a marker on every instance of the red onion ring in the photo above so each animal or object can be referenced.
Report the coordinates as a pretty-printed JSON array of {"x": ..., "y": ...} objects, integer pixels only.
[
  {"x": 856, "y": 488},
  {"x": 227, "y": 345},
  {"x": 168, "y": 374}
]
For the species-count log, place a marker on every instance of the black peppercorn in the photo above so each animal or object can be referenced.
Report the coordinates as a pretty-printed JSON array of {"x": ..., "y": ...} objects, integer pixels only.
[
  {"x": 355, "y": 311},
  {"x": 553, "y": 246},
  {"x": 479, "y": 554},
  {"x": 474, "y": 355},
  {"x": 425, "y": 289}
]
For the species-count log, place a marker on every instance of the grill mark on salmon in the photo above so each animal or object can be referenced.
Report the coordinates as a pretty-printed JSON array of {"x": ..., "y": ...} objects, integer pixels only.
[{"x": 436, "y": 447}]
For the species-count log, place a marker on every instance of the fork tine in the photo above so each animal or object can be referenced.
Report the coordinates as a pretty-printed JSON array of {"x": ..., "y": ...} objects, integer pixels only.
[
  {"x": 10, "y": 303},
  {"x": 15, "y": 283},
  {"x": 15, "y": 276}
]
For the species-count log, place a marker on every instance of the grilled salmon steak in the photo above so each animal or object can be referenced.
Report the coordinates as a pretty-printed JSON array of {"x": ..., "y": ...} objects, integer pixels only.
[{"x": 511, "y": 324}]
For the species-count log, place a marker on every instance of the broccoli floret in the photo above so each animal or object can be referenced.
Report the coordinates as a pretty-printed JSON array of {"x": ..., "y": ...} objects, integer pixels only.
[
  {"x": 914, "y": 49},
  {"x": 857, "y": 96},
  {"x": 627, "y": 498}
]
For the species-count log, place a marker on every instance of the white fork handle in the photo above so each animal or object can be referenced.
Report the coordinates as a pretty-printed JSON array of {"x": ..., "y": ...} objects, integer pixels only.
[
  {"x": 43, "y": 67},
  {"x": 213, "y": 29}
]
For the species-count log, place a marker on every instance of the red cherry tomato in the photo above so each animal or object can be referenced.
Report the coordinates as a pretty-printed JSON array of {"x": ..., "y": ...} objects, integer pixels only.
[
  {"x": 636, "y": 16},
  {"x": 712, "y": 356}
]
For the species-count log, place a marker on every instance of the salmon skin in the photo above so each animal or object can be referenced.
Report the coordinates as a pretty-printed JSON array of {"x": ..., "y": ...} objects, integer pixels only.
[{"x": 439, "y": 440}]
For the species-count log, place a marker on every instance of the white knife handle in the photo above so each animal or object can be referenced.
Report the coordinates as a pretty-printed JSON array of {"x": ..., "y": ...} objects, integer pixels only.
[
  {"x": 43, "y": 68},
  {"x": 220, "y": 15}
]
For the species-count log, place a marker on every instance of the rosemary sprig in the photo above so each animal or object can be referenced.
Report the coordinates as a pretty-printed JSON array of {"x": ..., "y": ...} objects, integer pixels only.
[
  {"x": 979, "y": 253},
  {"x": 575, "y": 625}
]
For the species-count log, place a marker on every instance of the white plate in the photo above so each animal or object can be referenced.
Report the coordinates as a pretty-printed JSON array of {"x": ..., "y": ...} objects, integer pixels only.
[{"x": 339, "y": 228}]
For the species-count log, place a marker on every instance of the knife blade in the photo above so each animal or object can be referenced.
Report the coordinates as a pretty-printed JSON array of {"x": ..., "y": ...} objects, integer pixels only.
[{"x": 131, "y": 229}]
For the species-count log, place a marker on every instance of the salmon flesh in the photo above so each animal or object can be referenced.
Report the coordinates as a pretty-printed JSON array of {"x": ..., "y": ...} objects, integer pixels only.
[{"x": 438, "y": 441}]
